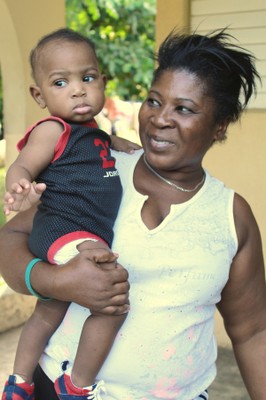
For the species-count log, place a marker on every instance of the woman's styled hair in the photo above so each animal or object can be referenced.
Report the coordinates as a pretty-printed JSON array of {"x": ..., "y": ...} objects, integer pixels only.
[{"x": 226, "y": 70}]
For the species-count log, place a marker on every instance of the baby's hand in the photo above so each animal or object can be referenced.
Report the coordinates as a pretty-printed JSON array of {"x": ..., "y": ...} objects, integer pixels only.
[
  {"x": 121, "y": 144},
  {"x": 99, "y": 253},
  {"x": 22, "y": 196}
]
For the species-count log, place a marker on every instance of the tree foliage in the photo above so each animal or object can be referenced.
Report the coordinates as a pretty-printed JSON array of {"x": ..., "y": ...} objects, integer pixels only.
[{"x": 124, "y": 34}]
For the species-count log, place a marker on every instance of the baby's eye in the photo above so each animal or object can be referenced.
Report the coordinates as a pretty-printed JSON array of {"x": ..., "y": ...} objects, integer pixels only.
[
  {"x": 60, "y": 83},
  {"x": 88, "y": 78}
]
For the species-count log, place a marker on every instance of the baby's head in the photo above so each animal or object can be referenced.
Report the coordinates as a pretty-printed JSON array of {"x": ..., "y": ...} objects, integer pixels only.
[
  {"x": 56, "y": 38},
  {"x": 67, "y": 76}
]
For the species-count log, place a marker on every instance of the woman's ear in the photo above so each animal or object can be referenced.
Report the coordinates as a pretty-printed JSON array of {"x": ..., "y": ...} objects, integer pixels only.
[
  {"x": 220, "y": 134},
  {"x": 36, "y": 93}
]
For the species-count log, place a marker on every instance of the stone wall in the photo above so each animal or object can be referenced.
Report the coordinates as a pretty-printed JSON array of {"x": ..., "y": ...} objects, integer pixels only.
[{"x": 15, "y": 308}]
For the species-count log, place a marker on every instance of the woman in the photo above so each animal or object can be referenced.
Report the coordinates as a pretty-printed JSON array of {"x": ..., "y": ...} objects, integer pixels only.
[{"x": 188, "y": 242}]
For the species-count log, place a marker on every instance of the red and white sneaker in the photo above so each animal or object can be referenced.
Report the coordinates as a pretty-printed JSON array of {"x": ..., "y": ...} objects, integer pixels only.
[
  {"x": 67, "y": 391},
  {"x": 17, "y": 391}
]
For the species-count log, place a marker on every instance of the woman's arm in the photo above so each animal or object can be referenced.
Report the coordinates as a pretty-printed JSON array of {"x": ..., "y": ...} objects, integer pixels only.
[
  {"x": 80, "y": 280},
  {"x": 243, "y": 304}
]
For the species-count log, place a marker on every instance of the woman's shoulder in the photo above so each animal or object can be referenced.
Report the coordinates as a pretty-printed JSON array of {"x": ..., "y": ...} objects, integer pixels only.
[
  {"x": 125, "y": 163},
  {"x": 122, "y": 157}
]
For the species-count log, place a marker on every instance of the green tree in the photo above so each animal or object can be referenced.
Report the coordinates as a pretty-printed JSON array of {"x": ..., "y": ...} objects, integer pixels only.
[{"x": 124, "y": 34}]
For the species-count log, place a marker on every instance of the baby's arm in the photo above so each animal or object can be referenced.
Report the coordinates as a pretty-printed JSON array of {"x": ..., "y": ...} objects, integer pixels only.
[
  {"x": 21, "y": 192},
  {"x": 121, "y": 144}
]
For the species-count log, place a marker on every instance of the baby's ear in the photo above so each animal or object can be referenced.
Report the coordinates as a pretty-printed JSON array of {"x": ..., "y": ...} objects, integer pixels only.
[
  {"x": 104, "y": 78},
  {"x": 36, "y": 93}
]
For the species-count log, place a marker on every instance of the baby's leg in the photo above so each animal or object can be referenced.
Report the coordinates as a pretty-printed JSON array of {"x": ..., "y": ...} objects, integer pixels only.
[
  {"x": 97, "y": 337},
  {"x": 99, "y": 331},
  {"x": 36, "y": 332}
]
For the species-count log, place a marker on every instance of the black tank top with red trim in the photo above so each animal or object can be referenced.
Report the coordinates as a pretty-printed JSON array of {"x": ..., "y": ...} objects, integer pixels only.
[{"x": 83, "y": 190}]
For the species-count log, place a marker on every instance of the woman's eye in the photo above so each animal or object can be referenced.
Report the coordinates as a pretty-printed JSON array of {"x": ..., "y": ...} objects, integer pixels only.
[
  {"x": 60, "y": 83},
  {"x": 184, "y": 110},
  {"x": 152, "y": 102},
  {"x": 88, "y": 78}
]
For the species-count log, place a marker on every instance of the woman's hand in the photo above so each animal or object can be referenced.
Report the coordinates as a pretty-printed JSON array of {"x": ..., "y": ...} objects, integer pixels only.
[{"x": 80, "y": 280}]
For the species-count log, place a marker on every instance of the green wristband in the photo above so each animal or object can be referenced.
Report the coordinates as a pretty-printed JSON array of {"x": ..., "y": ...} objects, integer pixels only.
[{"x": 29, "y": 267}]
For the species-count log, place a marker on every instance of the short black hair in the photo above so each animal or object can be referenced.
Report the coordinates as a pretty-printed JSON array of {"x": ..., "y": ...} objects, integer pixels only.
[
  {"x": 62, "y": 34},
  {"x": 227, "y": 70}
]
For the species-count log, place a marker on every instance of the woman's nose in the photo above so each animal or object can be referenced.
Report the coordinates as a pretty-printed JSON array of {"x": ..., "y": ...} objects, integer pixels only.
[{"x": 163, "y": 119}]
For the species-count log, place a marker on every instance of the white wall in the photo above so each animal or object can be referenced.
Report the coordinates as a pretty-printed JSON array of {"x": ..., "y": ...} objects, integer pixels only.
[{"x": 247, "y": 23}]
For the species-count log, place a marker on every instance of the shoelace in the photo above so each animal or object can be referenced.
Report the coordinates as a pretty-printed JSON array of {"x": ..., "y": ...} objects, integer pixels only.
[{"x": 96, "y": 393}]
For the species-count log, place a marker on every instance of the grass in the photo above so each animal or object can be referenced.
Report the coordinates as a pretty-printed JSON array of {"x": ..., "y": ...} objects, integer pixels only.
[{"x": 2, "y": 191}]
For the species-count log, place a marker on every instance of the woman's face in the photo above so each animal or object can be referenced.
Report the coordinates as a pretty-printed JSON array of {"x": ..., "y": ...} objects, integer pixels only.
[{"x": 177, "y": 124}]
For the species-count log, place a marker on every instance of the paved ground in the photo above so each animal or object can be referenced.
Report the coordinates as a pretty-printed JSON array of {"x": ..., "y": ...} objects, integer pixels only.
[{"x": 228, "y": 384}]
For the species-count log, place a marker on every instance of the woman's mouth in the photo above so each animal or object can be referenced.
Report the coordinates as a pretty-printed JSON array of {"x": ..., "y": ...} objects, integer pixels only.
[{"x": 160, "y": 144}]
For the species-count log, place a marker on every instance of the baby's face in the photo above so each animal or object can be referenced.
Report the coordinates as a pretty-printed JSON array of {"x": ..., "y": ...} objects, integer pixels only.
[{"x": 70, "y": 81}]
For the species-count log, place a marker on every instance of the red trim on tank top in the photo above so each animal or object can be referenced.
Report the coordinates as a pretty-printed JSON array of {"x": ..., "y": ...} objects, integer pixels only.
[{"x": 70, "y": 237}]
